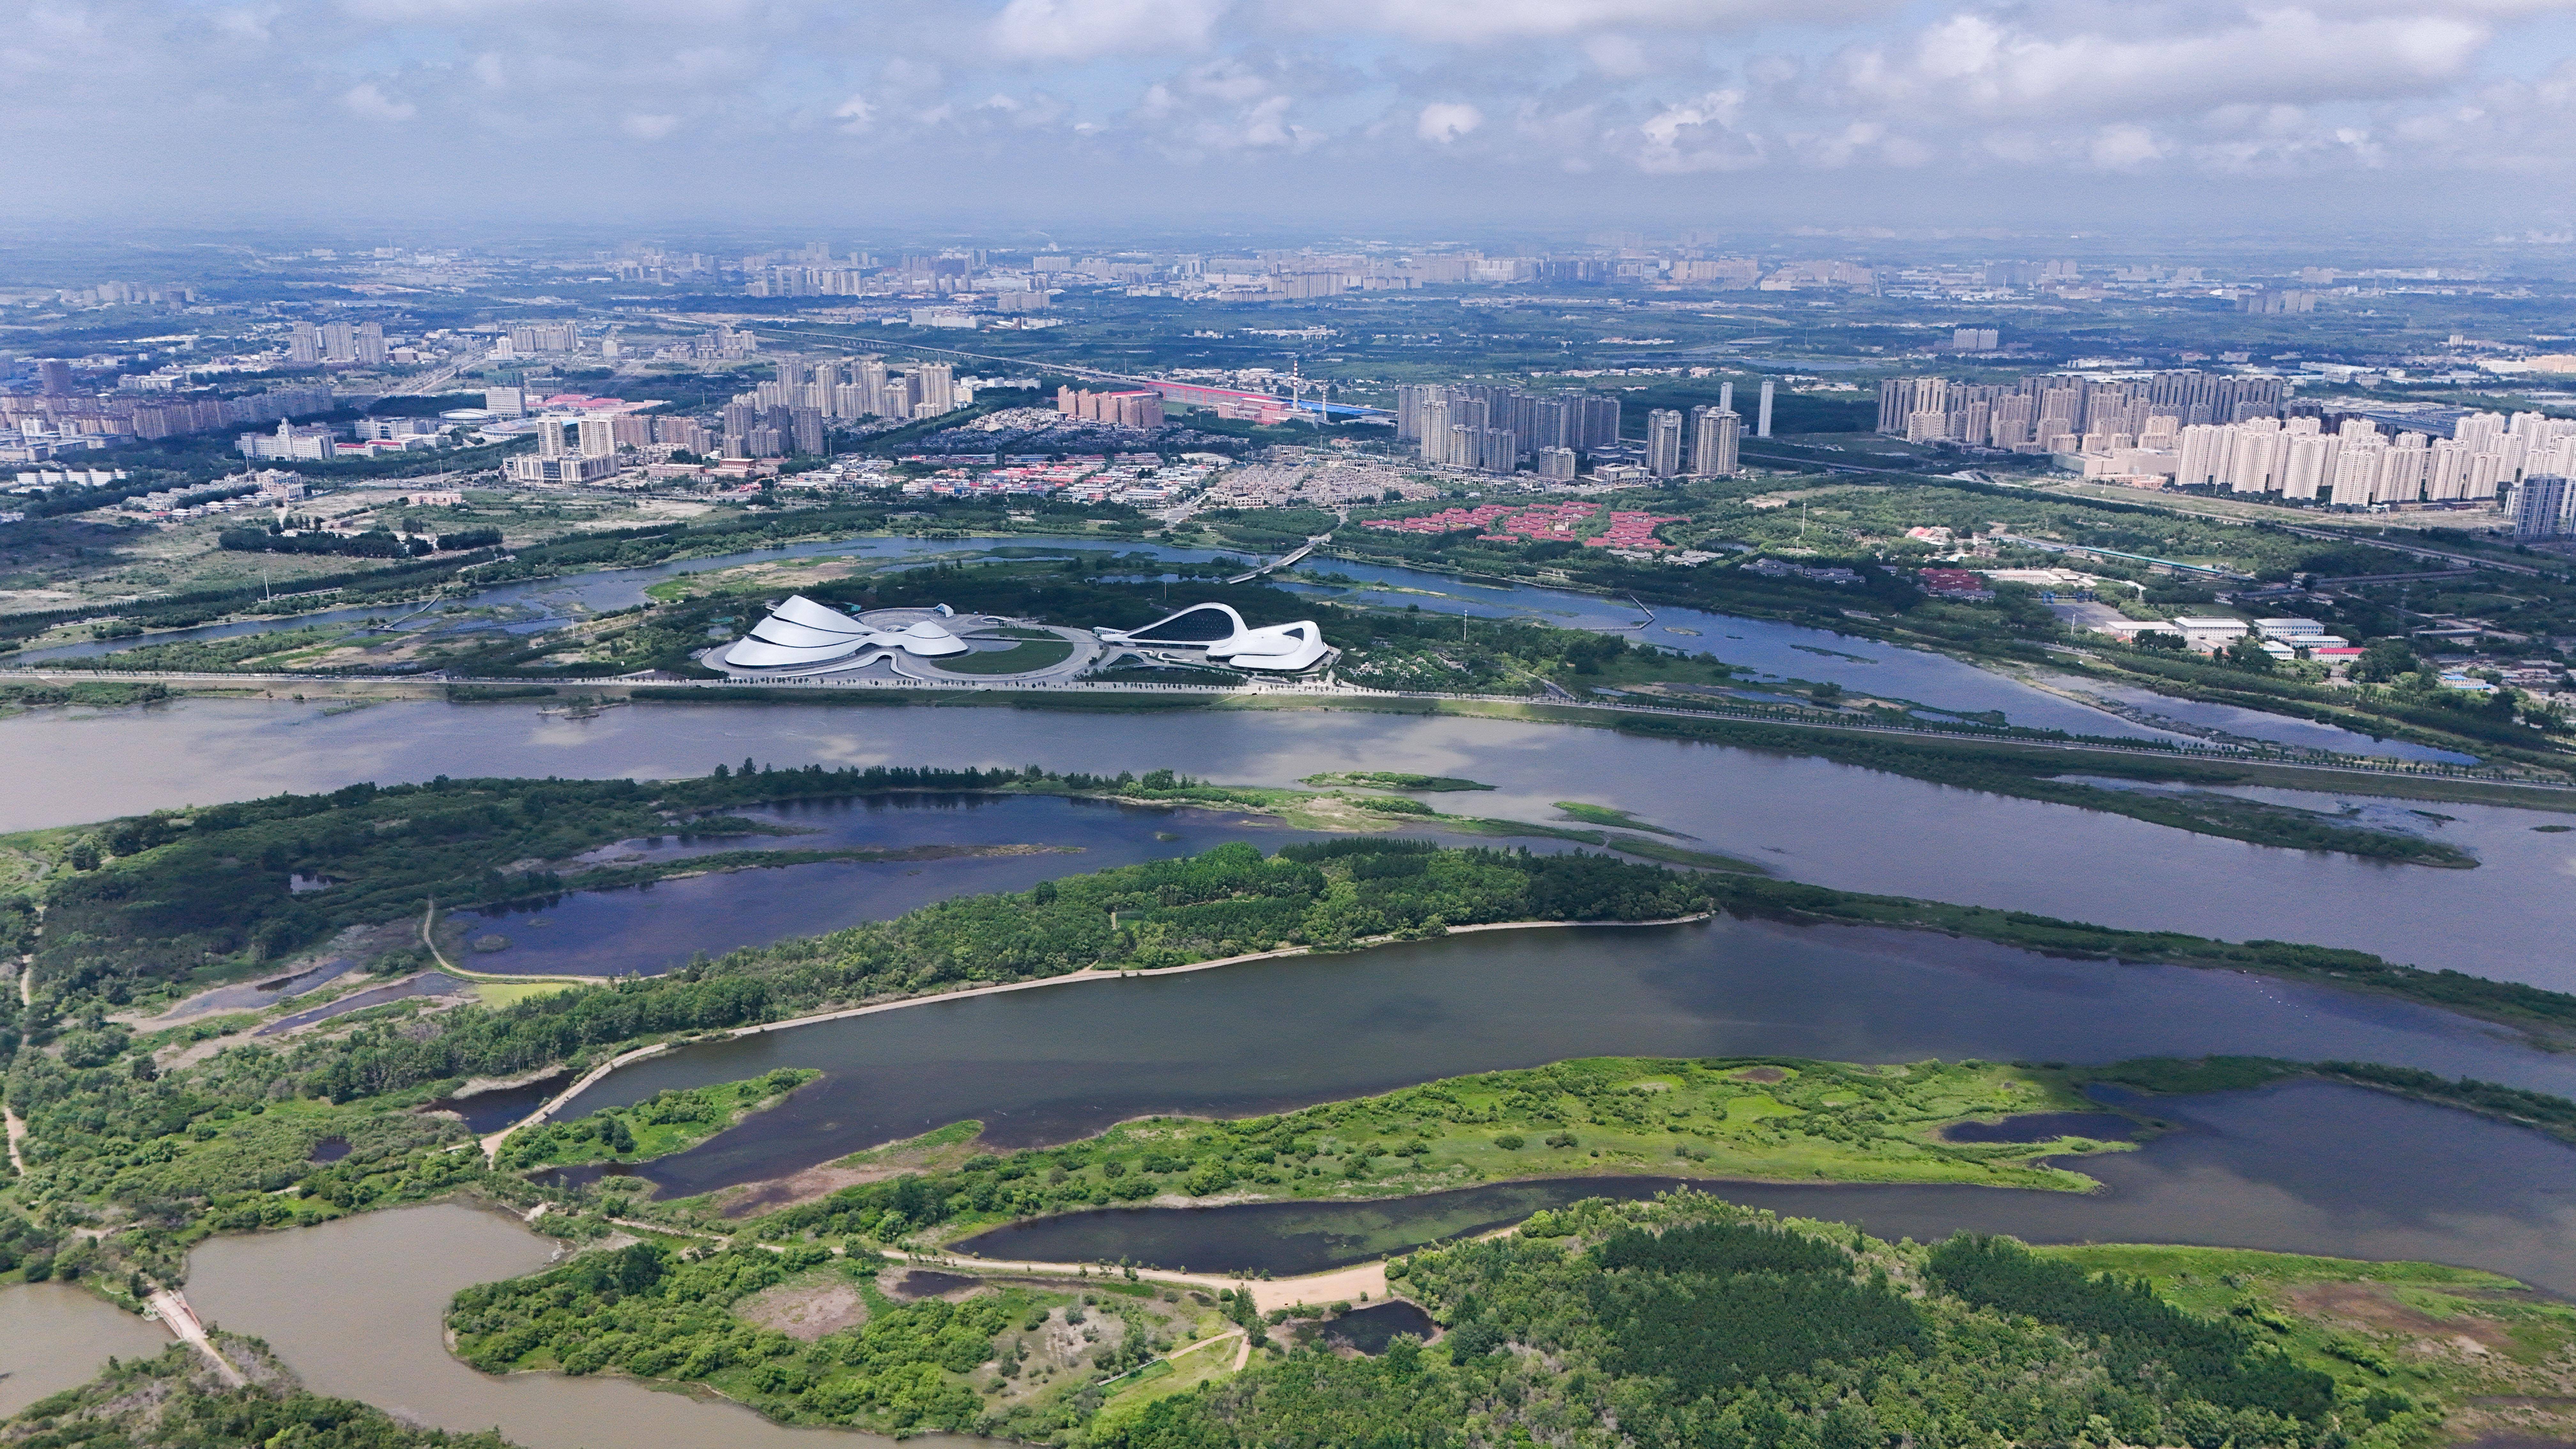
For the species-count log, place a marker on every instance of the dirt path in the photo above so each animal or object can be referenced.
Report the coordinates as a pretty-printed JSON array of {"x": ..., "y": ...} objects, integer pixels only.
[
  {"x": 492, "y": 1143},
  {"x": 175, "y": 1314},
  {"x": 17, "y": 1129},
  {"x": 1316, "y": 1289}
]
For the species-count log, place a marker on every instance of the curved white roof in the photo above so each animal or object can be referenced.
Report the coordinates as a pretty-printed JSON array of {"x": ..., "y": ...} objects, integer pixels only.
[
  {"x": 756, "y": 653},
  {"x": 926, "y": 639},
  {"x": 1287, "y": 648},
  {"x": 1213, "y": 624},
  {"x": 801, "y": 633},
  {"x": 801, "y": 610},
  {"x": 775, "y": 630}
]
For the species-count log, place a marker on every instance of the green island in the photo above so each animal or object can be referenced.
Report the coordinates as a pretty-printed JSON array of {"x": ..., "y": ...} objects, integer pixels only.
[
  {"x": 666, "y": 1122},
  {"x": 1749, "y": 1118},
  {"x": 1398, "y": 780},
  {"x": 1604, "y": 815}
]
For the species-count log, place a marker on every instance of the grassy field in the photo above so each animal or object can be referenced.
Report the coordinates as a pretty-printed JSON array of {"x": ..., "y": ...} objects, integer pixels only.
[
  {"x": 2482, "y": 1352},
  {"x": 1020, "y": 659},
  {"x": 1776, "y": 1119}
]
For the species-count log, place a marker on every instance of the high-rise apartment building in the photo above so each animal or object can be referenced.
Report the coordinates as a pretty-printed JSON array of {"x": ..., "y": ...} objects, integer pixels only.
[
  {"x": 1556, "y": 463},
  {"x": 1427, "y": 414},
  {"x": 1664, "y": 442},
  {"x": 595, "y": 437},
  {"x": 54, "y": 377},
  {"x": 368, "y": 346},
  {"x": 339, "y": 342},
  {"x": 1762, "y": 424},
  {"x": 934, "y": 389},
  {"x": 2540, "y": 506},
  {"x": 304, "y": 343},
  {"x": 1714, "y": 434}
]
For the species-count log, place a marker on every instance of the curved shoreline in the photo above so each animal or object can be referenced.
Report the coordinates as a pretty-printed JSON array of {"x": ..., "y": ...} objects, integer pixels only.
[{"x": 591, "y": 1078}]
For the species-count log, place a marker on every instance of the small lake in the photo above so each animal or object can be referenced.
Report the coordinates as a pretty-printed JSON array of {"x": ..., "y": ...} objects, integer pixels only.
[
  {"x": 1369, "y": 1330},
  {"x": 1063, "y": 1062},
  {"x": 54, "y": 1336},
  {"x": 2305, "y": 1167},
  {"x": 356, "y": 1308}
]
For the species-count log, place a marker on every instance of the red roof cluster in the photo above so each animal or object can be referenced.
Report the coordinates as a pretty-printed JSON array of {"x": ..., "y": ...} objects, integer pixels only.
[
  {"x": 1634, "y": 530},
  {"x": 1447, "y": 520},
  {"x": 1951, "y": 581}
]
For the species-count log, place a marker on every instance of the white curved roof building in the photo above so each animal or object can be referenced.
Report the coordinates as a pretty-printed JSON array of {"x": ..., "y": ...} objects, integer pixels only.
[
  {"x": 1221, "y": 633},
  {"x": 800, "y": 634}
]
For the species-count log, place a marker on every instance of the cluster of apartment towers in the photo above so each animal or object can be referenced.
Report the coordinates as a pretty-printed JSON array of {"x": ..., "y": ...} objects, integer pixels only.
[
  {"x": 2241, "y": 433},
  {"x": 1494, "y": 429},
  {"x": 794, "y": 411}
]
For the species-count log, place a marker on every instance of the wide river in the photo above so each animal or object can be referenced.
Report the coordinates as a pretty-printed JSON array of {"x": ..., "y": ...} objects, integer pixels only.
[
  {"x": 355, "y": 1306},
  {"x": 1814, "y": 821}
]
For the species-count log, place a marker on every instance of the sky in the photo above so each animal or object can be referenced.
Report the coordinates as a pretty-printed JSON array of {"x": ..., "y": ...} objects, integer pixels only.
[{"x": 1397, "y": 118}]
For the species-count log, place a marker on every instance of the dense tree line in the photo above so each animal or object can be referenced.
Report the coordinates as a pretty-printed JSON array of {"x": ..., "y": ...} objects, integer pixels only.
[
  {"x": 1687, "y": 1322},
  {"x": 2138, "y": 1334},
  {"x": 1222, "y": 902}
]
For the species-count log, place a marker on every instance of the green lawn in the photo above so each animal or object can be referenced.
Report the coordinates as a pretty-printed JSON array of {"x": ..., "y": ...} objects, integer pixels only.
[{"x": 1028, "y": 655}]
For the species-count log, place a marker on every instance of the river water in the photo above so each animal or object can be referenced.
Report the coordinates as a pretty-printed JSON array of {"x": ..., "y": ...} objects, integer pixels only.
[
  {"x": 1809, "y": 819},
  {"x": 2304, "y": 1167},
  {"x": 654, "y": 928},
  {"x": 1061, "y": 1062}
]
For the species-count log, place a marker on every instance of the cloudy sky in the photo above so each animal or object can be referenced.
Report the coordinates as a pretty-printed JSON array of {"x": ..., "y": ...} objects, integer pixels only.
[{"x": 1389, "y": 117}]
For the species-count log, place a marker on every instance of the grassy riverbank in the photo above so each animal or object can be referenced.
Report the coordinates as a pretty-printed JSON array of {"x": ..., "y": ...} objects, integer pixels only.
[
  {"x": 664, "y": 1123},
  {"x": 1772, "y": 1119}
]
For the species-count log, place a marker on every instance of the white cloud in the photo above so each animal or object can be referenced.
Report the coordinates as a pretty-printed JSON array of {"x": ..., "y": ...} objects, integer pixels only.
[
  {"x": 649, "y": 127},
  {"x": 1699, "y": 135},
  {"x": 1489, "y": 20},
  {"x": 1082, "y": 29},
  {"x": 367, "y": 100},
  {"x": 1442, "y": 122},
  {"x": 855, "y": 114},
  {"x": 2125, "y": 148},
  {"x": 1995, "y": 68}
]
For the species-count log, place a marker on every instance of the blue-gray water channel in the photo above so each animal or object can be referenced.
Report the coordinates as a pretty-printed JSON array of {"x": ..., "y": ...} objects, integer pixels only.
[
  {"x": 1808, "y": 819},
  {"x": 2305, "y": 1167},
  {"x": 650, "y": 929},
  {"x": 1062, "y": 1062}
]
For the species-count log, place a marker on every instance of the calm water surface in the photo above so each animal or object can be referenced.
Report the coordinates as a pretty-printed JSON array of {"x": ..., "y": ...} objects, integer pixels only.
[
  {"x": 54, "y": 1337},
  {"x": 654, "y": 928},
  {"x": 356, "y": 1308},
  {"x": 1829, "y": 824},
  {"x": 2305, "y": 1167},
  {"x": 1053, "y": 1064}
]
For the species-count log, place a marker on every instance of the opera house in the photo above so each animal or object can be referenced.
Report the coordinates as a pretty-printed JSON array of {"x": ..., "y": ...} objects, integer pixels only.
[
  {"x": 802, "y": 639},
  {"x": 1218, "y": 634},
  {"x": 801, "y": 636}
]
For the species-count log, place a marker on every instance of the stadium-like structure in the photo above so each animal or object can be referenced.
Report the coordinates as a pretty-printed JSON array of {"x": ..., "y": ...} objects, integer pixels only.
[
  {"x": 1216, "y": 633},
  {"x": 803, "y": 639},
  {"x": 803, "y": 635}
]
